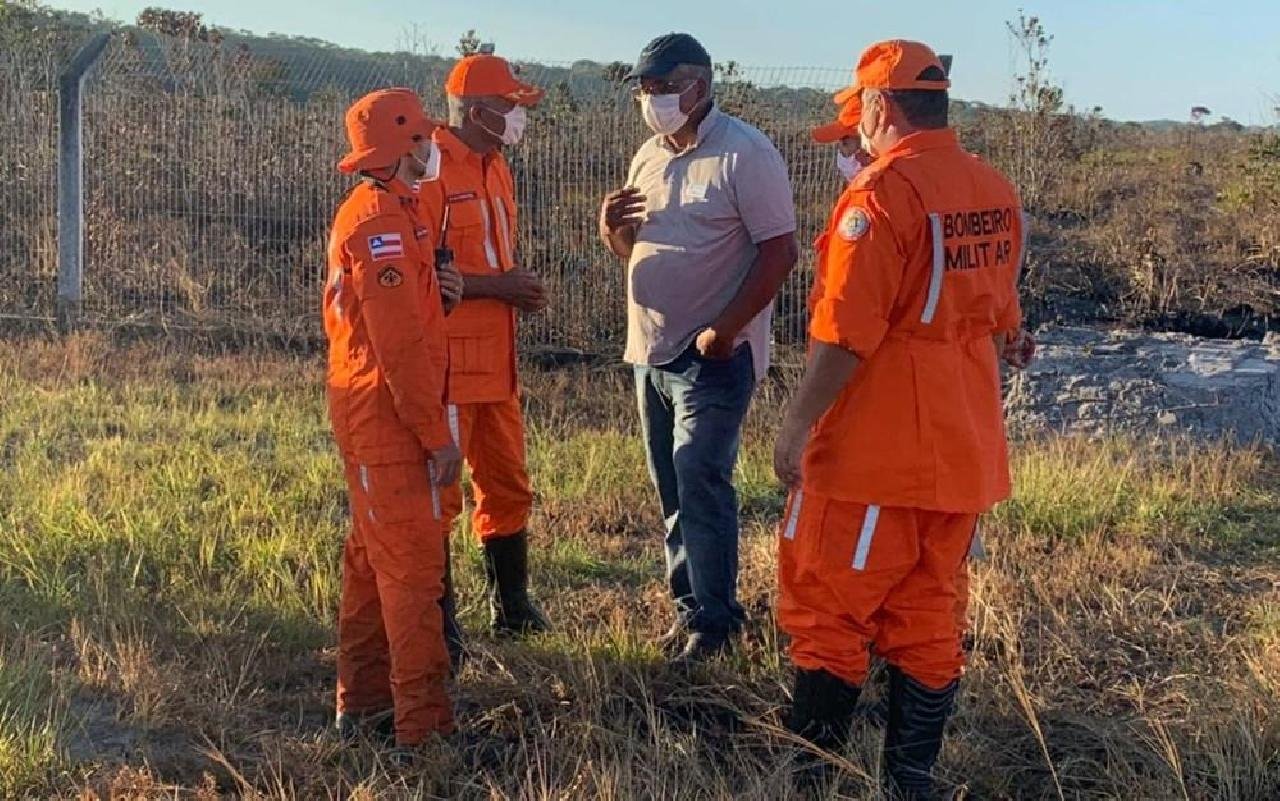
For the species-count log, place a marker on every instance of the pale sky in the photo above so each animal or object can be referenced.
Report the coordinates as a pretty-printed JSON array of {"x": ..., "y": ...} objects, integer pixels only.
[{"x": 1137, "y": 59}]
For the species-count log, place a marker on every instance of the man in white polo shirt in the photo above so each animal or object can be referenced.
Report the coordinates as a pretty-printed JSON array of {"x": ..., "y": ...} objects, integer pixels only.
[{"x": 707, "y": 226}]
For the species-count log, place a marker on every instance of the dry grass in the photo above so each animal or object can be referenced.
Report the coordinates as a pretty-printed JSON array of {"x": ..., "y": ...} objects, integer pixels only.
[{"x": 169, "y": 534}]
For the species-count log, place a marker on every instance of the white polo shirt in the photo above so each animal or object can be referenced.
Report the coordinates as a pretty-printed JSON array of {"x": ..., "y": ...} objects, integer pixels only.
[{"x": 706, "y": 210}]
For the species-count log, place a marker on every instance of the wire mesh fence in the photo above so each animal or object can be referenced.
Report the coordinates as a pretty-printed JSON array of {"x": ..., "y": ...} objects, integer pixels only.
[
  {"x": 28, "y": 177},
  {"x": 210, "y": 182}
]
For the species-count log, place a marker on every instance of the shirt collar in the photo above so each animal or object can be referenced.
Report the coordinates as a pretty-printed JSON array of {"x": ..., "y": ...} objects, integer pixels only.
[
  {"x": 453, "y": 147},
  {"x": 921, "y": 141},
  {"x": 707, "y": 127},
  {"x": 396, "y": 187}
]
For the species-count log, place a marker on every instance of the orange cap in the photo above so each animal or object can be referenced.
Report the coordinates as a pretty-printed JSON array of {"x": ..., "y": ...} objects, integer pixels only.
[
  {"x": 487, "y": 75},
  {"x": 382, "y": 126},
  {"x": 895, "y": 64},
  {"x": 845, "y": 124}
]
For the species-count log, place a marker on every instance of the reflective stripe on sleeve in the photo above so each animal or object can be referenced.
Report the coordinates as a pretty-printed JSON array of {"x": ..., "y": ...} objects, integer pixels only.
[{"x": 935, "y": 278}]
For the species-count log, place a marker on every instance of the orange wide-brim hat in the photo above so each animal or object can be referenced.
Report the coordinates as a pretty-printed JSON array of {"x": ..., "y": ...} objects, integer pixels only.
[{"x": 382, "y": 126}]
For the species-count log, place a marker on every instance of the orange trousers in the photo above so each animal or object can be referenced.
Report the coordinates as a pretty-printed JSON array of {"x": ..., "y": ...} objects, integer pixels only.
[
  {"x": 491, "y": 437},
  {"x": 391, "y": 649},
  {"x": 854, "y": 576}
]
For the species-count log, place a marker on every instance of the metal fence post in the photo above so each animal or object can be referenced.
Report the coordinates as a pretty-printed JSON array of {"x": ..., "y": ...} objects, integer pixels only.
[{"x": 71, "y": 182}]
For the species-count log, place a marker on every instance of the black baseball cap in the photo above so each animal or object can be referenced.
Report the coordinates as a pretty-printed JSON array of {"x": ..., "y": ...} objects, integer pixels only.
[{"x": 665, "y": 53}]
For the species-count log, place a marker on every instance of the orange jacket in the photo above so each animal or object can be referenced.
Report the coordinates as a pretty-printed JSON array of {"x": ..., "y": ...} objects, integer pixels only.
[
  {"x": 918, "y": 272},
  {"x": 385, "y": 323},
  {"x": 474, "y": 205}
]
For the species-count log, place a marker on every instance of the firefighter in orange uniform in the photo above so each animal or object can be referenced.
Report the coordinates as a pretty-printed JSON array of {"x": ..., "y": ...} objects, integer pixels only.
[
  {"x": 384, "y": 318},
  {"x": 850, "y": 157},
  {"x": 475, "y": 208},
  {"x": 894, "y": 443}
]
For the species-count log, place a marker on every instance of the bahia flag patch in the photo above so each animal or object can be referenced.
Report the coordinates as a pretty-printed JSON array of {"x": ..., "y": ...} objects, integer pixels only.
[{"x": 386, "y": 246}]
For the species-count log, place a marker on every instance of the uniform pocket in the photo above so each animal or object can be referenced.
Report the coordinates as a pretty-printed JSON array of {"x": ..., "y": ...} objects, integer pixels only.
[
  {"x": 465, "y": 235},
  {"x": 473, "y": 355},
  {"x": 394, "y": 494}
]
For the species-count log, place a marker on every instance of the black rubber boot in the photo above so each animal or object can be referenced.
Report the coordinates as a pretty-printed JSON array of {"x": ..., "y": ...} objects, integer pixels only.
[
  {"x": 449, "y": 611},
  {"x": 351, "y": 726},
  {"x": 506, "y": 573},
  {"x": 822, "y": 710},
  {"x": 913, "y": 735}
]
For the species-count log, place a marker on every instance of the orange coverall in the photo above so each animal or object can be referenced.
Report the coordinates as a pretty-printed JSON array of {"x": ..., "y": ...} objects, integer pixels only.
[
  {"x": 473, "y": 205},
  {"x": 386, "y": 380},
  {"x": 917, "y": 274}
]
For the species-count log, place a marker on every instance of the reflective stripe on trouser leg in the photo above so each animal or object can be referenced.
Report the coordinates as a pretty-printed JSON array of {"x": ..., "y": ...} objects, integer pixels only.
[
  {"x": 789, "y": 531},
  {"x": 454, "y": 430},
  {"x": 936, "y": 275},
  {"x": 452, "y": 501},
  {"x": 864, "y": 538},
  {"x": 828, "y": 608},
  {"x": 976, "y": 549}
]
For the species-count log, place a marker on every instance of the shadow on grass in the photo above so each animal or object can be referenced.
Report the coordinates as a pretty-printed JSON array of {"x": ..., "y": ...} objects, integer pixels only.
[{"x": 134, "y": 681}]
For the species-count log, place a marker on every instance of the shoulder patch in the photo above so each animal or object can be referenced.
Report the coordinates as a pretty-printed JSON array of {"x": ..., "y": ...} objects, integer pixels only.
[
  {"x": 386, "y": 246},
  {"x": 853, "y": 224},
  {"x": 390, "y": 278}
]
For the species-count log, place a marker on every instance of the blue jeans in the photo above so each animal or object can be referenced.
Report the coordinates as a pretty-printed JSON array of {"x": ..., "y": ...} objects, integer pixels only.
[{"x": 692, "y": 410}]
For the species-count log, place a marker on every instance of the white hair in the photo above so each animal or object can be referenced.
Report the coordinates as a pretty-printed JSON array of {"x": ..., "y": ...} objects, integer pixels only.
[{"x": 459, "y": 107}]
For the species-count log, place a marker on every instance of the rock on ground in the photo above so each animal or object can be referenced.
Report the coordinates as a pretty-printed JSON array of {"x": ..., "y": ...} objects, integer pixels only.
[{"x": 1095, "y": 381}]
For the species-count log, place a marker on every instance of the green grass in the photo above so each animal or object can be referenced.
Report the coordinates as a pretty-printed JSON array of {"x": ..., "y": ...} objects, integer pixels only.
[
  {"x": 170, "y": 531},
  {"x": 31, "y": 715},
  {"x": 1073, "y": 489}
]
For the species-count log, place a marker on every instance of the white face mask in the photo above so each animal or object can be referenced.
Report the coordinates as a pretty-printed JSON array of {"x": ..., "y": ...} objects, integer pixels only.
[
  {"x": 513, "y": 125},
  {"x": 430, "y": 167},
  {"x": 662, "y": 112},
  {"x": 849, "y": 166},
  {"x": 433, "y": 163},
  {"x": 515, "y": 121}
]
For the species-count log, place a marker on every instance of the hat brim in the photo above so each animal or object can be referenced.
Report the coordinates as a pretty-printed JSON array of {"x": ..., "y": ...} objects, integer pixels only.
[
  {"x": 846, "y": 94},
  {"x": 383, "y": 156},
  {"x": 929, "y": 86},
  {"x": 832, "y": 132},
  {"x": 651, "y": 69},
  {"x": 525, "y": 94},
  {"x": 850, "y": 114}
]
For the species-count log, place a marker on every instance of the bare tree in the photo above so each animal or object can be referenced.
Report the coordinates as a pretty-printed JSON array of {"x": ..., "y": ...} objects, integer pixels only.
[
  {"x": 413, "y": 39},
  {"x": 1037, "y": 104},
  {"x": 469, "y": 44}
]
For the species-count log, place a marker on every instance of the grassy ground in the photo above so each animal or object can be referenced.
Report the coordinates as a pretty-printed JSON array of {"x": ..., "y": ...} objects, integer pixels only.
[{"x": 169, "y": 536}]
